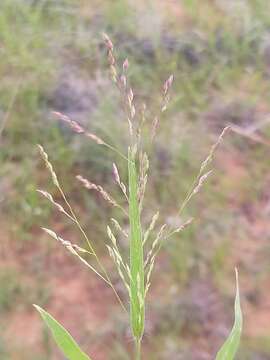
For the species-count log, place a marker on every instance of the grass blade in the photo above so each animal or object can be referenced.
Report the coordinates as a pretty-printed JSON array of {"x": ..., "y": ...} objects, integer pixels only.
[
  {"x": 62, "y": 338},
  {"x": 136, "y": 253},
  {"x": 229, "y": 348}
]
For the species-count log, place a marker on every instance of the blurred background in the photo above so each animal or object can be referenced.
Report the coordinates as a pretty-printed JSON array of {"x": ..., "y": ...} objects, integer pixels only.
[{"x": 52, "y": 58}]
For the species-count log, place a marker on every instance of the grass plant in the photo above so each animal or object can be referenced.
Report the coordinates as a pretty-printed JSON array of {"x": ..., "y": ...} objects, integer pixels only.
[{"x": 144, "y": 242}]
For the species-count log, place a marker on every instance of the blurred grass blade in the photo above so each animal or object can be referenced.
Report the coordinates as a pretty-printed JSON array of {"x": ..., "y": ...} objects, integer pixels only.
[
  {"x": 62, "y": 338},
  {"x": 229, "y": 348}
]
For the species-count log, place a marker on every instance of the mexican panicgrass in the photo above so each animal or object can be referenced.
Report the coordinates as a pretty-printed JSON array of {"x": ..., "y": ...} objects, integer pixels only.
[{"x": 144, "y": 244}]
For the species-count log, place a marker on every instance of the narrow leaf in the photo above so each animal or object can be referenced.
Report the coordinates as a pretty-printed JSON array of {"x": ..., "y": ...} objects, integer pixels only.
[
  {"x": 137, "y": 291},
  {"x": 62, "y": 338},
  {"x": 229, "y": 348}
]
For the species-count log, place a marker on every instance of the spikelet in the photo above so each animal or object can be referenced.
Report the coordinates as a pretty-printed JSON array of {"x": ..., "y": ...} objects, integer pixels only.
[
  {"x": 108, "y": 42},
  {"x": 118, "y": 266},
  {"x": 151, "y": 227},
  {"x": 166, "y": 98},
  {"x": 111, "y": 236},
  {"x": 65, "y": 243},
  {"x": 131, "y": 109},
  {"x": 125, "y": 65},
  {"x": 213, "y": 149},
  {"x": 167, "y": 85},
  {"x": 49, "y": 166},
  {"x": 148, "y": 275},
  {"x": 123, "y": 78},
  {"x": 156, "y": 245},
  {"x": 117, "y": 258},
  {"x": 91, "y": 186},
  {"x": 115, "y": 247},
  {"x": 110, "y": 55},
  {"x": 78, "y": 128},
  {"x": 130, "y": 97},
  {"x": 180, "y": 228},
  {"x": 59, "y": 207},
  {"x": 183, "y": 226},
  {"x": 118, "y": 227},
  {"x": 201, "y": 181},
  {"x": 73, "y": 124},
  {"x": 165, "y": 101},
  {"x": 144, "y": 166},
  {"x": 140, "y": 291},
  {"x": 75, "y": 250},
  {"x": 141, "y": 123},
  {"x": 154, "y": 127},
  {"x": 118, "y": 180},
  {"x": 95, "y": 138}
]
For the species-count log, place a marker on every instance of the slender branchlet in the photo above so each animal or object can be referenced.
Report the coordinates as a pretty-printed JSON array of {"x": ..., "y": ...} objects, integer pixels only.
[
  {"x": 202, "y": 175},
  {"x": 164, "y": 105}
]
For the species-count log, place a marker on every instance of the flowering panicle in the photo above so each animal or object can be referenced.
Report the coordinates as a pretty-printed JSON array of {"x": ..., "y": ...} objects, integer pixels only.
[{"x": 144, "y": 245}]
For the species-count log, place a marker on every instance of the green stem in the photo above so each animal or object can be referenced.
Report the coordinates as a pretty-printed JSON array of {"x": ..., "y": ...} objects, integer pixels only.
[{"x": 137, "y": 349}]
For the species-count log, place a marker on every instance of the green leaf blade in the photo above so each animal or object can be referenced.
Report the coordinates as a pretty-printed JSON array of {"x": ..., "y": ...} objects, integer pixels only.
[
  {"x": 137, "y": 291},
  {"x": 230, "y": 347},
  {"x": 62, "y": 338}
]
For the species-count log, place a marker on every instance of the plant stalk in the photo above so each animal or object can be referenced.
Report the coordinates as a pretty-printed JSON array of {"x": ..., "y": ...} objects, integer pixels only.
[{"x": 138, "y": 349}]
